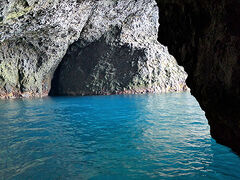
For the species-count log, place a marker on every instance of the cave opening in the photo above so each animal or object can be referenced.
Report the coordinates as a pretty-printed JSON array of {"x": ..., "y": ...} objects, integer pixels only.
[
  {"x": 109, "y": 66},
  {"x": 115, "y": 49}
]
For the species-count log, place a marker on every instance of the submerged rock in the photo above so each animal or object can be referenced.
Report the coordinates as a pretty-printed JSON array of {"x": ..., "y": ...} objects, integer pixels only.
[{"x": 116, "y": 48}]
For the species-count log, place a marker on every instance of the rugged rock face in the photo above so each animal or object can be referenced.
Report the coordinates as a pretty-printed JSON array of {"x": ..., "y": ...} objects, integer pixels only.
[
  {"x": 35, "y": 36},
  {"x": 204, "y": 36},
  {"x": 127, "y": 58}
]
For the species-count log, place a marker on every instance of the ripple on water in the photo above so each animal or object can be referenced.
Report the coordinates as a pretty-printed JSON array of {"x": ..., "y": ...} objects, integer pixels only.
[{"x": 163, "y": 136}]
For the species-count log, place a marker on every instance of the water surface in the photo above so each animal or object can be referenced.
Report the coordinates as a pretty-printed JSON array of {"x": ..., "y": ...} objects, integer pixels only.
[{"x": 163, "y": 136}]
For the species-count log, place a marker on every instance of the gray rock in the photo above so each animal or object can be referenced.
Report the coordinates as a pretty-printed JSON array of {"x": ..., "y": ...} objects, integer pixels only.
[
  {"x": 121, "y": 58},
  {"x": 35, "y": 36}
]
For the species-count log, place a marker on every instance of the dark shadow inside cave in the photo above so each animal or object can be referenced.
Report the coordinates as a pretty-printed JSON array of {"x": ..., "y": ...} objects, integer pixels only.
[
  {"x": 204, "y": 39},
  {"x": 94, "y": 70},
  {"x": 109, "y": 66}
]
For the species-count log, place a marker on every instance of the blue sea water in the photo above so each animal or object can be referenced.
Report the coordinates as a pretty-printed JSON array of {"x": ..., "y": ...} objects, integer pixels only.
[{"x": 157, "y": 136}]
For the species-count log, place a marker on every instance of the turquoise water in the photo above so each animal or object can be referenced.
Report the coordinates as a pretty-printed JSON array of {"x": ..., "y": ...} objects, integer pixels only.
[{"x": 162, "y": 136}]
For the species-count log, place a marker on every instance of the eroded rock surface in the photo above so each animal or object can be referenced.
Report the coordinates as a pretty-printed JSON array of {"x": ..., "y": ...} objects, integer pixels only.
[
  {"x": 122, "y": 58},
  {"x": 204, "y": 36},
  {"x": 35, "y": 36}
]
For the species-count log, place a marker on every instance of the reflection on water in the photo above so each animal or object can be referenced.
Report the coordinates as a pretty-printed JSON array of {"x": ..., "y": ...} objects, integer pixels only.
[{"x": 110, "y": 137}]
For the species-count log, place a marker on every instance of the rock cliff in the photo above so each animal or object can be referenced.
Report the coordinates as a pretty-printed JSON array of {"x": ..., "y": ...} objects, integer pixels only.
[
  {"x": 119, "y": 55},
  {"x": 204, "y": 36},
  {"x": 110, "y": 46}
]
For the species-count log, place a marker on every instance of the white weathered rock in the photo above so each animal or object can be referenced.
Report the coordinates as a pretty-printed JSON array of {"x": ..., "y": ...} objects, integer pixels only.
[{"x": 35, "y": 36}]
